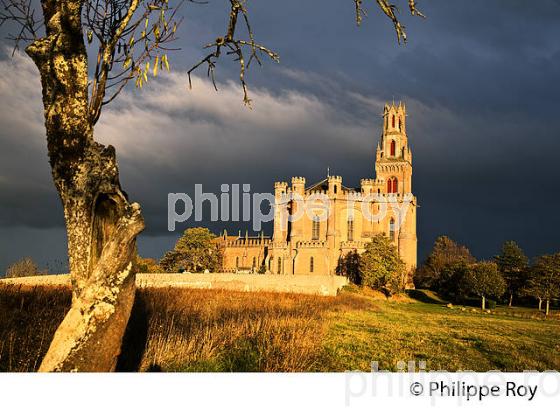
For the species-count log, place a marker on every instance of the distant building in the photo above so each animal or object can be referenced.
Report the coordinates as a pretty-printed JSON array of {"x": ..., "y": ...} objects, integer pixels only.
[{"x": 315, "y": 243}]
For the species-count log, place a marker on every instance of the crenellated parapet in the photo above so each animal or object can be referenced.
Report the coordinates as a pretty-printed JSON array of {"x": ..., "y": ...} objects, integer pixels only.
[
  {"x": 249, "y": 243},
  {"x": 335, "y": 178},
  {"x": 311, "y": 244},
  {"x": 346, "y": 245}
]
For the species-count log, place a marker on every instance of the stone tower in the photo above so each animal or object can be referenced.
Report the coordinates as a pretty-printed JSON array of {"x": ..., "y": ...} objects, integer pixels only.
[{"x": 393, "y": 167}]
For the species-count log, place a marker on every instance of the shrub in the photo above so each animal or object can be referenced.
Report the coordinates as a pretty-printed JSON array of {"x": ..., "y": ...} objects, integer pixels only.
[{"x": 147, "y": 265}]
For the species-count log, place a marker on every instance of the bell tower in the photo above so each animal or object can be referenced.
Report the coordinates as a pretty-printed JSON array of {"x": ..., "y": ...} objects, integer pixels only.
[
  {"x": 393, "y": 169},
  {"x": 393, "y": 157}
]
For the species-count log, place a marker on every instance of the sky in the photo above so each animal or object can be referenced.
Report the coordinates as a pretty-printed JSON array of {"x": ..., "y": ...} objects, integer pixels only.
[{"x": 480, "y": 80}]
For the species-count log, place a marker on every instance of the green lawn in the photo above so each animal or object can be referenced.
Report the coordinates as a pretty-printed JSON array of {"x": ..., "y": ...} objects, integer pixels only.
[{"x": 452, "y": 339}]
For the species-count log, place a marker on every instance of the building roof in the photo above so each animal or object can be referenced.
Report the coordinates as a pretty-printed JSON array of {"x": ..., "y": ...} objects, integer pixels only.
[{"x": 323, "y": 185}]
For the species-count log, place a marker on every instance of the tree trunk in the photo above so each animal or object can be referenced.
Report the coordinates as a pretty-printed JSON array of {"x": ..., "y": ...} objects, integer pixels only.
[
  {"x": 510, "y": 300},
  {"x": 483, "y": 302},
  {"x": 540, "y": 304},
  {"x": 101, "y": 224},
  {"x": 547, "y": 311}
]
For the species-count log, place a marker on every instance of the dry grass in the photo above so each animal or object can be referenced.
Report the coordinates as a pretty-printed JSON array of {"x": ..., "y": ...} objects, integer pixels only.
[
  {"x": 29, "y": 317},
  {"x": 213, "y": 330},
  {"x": 184, "y": 329}
]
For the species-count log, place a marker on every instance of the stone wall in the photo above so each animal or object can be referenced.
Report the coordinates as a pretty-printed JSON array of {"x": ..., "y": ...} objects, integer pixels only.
[
  {"x": 308, "y": 284},
  {"x": 324, "y": 285}
]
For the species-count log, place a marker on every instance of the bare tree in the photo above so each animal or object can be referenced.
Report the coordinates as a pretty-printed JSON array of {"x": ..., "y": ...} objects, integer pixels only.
[
  {"x": 131, "y": 40},
  {"x": 23, "y": 267}
]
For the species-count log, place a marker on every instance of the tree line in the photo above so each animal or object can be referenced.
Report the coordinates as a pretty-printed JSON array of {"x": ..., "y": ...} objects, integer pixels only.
[{"x": 451, "y": 270}]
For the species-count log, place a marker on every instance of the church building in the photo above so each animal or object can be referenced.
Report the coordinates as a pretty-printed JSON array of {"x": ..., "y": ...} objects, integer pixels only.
[{"x": 315, "y": 225}]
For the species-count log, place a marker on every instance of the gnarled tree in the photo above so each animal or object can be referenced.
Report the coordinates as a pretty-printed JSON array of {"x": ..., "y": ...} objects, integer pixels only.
[{"x": 129, "y": 40}]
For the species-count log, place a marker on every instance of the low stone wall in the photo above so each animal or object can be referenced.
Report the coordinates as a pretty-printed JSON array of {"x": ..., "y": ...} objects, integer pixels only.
[
  {"x": 42, "y": 280},
  {"x": 310, "y": 284},
  {"x": 325, "y": 285}
]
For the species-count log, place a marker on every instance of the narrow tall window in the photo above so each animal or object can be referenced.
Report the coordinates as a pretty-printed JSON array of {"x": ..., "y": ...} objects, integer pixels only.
[
  {"x": 392, "y": 229},
  {"x": 237, "y": 262},
  {"x": 254, "y": 262},
  {"x": 392, "y": 185},
  {"x": 279, "y": 266},
  {"x": 316, "y": 229},
  {"x": 393, "y": 121},
  {"x": 311, "y": 264},
  {"x": 350, "y": 229},
  {"x": 393, "y": 148}
]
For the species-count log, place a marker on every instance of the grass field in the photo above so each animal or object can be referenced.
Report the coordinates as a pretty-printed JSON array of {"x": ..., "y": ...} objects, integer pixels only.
[{"x": 213, "y": 330}]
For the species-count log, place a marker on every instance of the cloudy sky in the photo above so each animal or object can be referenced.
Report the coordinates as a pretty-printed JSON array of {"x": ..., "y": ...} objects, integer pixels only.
[{"x": 481, "y": 80}]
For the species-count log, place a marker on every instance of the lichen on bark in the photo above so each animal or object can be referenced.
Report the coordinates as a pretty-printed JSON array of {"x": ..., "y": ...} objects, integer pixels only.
[{"x": 101, "y": 224}]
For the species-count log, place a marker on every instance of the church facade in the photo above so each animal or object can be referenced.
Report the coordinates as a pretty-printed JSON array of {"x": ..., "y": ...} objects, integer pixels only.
[{"x": 315, "y": 225}]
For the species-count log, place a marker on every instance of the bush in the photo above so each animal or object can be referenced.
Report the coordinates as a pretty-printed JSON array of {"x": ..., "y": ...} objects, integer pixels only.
[{"x": 21, "y": 268}]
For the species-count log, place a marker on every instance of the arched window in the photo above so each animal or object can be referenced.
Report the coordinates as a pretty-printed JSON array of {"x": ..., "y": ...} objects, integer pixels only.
[
  {"x": 393, "y": 148},
  {"x": 311, "y": 264},
  {"x": 392, "y": 185},
  {"x": 392, "y": 229},
  {"x": 393, "y": 121},
  {"x": 237, "y": 262},
  {"x": 279, "y": 266},
  {"x": 335, "y": 189},
  {"x": 316, "y": 229},
  {"x": 350, "y": 229}
]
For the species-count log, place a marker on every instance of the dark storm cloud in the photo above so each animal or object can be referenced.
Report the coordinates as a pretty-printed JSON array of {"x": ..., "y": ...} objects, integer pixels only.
[{"x": 480, "y": 79}]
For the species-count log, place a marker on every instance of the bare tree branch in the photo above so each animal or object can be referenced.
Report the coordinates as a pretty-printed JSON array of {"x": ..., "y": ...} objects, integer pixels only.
[
  {"x": 132, "y": 38},
  {"x": 22, "y": 14},
  {"x": 236, "y": 48}
]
